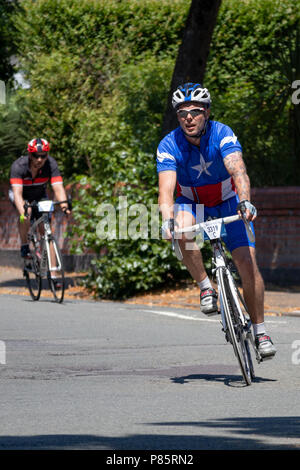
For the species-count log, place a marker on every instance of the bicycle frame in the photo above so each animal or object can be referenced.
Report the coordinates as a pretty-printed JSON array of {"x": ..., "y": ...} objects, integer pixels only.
[
  {"x": 44, "y": 221},
  {"x": 238, "y": 337},
  {"x": 45, "y": 253}
]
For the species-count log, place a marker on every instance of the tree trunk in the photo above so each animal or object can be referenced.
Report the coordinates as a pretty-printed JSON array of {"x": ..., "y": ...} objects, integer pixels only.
[{"x": 193, "y": 52}]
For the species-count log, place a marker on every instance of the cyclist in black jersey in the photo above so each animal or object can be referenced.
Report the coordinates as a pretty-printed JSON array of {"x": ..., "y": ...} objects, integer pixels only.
[{"x": 29, "y": 176}]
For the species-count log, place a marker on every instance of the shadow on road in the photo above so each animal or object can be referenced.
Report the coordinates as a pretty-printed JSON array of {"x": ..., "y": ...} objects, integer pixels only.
[
  {"x": 20, "y": 282},
  {"x": 250, "y": 433},
  {"x": 231, "y": 380}
]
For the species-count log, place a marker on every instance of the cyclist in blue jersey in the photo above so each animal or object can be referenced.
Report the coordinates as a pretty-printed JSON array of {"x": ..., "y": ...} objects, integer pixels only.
[{"x": 202, "y": 160}]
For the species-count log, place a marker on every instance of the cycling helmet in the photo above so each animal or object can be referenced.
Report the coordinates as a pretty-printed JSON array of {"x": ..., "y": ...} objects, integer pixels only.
[
  {"x": 191, "y": 92},
  {"x": 38, "y": 145}
]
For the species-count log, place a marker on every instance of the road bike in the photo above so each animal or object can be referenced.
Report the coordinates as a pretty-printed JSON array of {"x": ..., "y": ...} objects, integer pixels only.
[
  {"x": 235, "y": 319},
  {"x": 45, "y": 259}
]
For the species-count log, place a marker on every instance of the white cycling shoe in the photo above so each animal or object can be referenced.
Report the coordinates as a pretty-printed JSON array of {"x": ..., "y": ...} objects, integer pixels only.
[{"x": 208, "y": 302}]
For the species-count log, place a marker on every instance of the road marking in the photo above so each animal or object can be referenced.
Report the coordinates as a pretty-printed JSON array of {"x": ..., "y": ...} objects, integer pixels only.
[
  {"x": 182, "y": 317},
  {"x": 188, "y": 317}
]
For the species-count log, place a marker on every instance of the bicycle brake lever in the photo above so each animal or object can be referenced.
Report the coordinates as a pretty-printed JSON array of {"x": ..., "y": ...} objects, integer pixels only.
[
  {"x": 249, "y": 230},
  {"x": 176, "y": 247}
]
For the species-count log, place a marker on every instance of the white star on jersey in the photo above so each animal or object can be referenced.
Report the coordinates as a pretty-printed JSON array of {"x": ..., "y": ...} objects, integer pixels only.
[{"x": 202, "y": 167}]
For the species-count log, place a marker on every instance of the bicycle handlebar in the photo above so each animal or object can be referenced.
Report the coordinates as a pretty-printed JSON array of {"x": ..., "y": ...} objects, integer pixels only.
[
  {"x": 225, "y": 220},
  {"x": 35, "y": 204}
]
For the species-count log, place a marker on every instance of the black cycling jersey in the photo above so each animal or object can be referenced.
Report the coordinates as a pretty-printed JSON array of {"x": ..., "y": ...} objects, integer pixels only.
[{"x": 34, "y": 189}]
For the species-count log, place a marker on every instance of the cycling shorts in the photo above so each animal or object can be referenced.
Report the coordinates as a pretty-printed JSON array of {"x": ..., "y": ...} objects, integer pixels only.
[{"x": 236, "y": 235}]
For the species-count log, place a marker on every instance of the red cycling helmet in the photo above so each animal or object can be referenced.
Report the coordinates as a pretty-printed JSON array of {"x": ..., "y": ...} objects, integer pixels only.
[{"x": 38, "y": 145}]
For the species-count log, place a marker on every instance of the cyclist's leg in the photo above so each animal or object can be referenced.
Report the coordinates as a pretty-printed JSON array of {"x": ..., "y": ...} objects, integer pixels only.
[
  {"x": 23, "y": 232},
  {"x": 244, "y": 256},
  {"x": 186, "y": 214},
  {"x": 23, "y": 228}
]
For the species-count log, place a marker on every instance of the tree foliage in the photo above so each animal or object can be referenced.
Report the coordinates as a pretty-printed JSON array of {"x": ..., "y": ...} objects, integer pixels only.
[
  {"x": 253, "y": 62},
  {"x": 7, "y": 32}
]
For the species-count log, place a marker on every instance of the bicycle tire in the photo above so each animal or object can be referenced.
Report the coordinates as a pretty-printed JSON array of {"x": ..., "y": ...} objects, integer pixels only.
[
  {"x": 33, "y": 276},
  {"x": 249, "y": 336},
  {"x": 235, "y": 328},
  {"x": 58, "y": 292}
]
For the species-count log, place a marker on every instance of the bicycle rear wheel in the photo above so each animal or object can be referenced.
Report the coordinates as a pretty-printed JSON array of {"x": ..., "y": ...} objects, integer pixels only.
[
  {"x": 236, "y": 331},
  {"x": 55, "y": 273},
  {"x": 33, "y": 276}
]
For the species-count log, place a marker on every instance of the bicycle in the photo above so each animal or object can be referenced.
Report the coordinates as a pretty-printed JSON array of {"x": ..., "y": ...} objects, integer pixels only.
[
  {"x": 45, "y": 257},
  {"x": 235, "y": 320}
]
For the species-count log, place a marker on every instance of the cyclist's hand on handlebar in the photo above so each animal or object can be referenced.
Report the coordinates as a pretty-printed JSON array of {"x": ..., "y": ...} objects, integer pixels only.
[
  {"x": 27, "y": 212},
  {"x": 66, "y": 211},
  {"x": 24, "y": 217},
  {"x": 167, "y": 228},
  {"x": 246, "y": 210}
]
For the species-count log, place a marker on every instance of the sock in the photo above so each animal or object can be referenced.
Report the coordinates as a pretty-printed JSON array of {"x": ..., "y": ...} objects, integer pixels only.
[
  {"x": 259, "y": 328},
  {"x": 205, "y": 284}
]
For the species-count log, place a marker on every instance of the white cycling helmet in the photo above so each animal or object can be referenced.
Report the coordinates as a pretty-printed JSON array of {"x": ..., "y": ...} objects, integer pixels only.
[{"x": 191, "y": 92}]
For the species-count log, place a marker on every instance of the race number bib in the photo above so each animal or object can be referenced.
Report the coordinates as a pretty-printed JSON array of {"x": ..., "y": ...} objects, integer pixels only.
[
  {"x": 45, "y": 206},
  {"x": 212, "y": 228}
]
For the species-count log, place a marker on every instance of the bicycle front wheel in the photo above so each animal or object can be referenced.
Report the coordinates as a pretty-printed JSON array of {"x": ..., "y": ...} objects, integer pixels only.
[
  {"x": 236, "y": 330},
  {"x": 55, "y": 273},
  {"x": 33, "y": 276}
]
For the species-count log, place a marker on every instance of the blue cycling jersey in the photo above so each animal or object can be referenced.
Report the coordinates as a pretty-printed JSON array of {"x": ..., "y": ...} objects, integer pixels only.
[{"x": 201, "y": 174}]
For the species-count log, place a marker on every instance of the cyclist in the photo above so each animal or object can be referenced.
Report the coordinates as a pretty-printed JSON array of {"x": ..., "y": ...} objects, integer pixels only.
[
  {"x": 29, "y": 176},
  {"x": 203, "y": 160}
]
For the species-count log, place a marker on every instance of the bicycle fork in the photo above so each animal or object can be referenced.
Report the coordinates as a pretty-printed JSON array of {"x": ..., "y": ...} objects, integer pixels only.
[
  {"x": 219, "y": 263},
  {"x": 47, "y": 251}
]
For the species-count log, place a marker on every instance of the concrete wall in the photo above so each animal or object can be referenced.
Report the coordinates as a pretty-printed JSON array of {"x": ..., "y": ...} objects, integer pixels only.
[{"x": 277, "y": 234}]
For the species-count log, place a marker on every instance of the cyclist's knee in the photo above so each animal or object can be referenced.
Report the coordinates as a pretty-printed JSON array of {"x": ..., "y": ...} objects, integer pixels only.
[
  {"x": 244, "y": 257},
  {"x": 245, "y": 261}
]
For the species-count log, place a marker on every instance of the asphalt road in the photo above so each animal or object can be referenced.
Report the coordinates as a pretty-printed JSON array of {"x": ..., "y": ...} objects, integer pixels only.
[{"x": 102, "y": 375}]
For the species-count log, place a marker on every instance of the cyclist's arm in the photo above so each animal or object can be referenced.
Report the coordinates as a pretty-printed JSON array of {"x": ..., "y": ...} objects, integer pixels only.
[
  {"x": 166, "y": 187},
  {"x": 60, "y": 195},
  {"x": 235, "y": 166},
  {"x": 18, "y": 198}
]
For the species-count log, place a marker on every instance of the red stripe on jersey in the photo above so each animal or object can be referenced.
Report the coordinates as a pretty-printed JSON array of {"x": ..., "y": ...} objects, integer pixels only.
[
  {"x": 178, "y": 192},
  {"x": 233, "y": 186},
  {"x": 40, "y": 180},
  {"x": 15, "y": 181},
  {"x": 210, "y": 195},
  {"x": 56, "y": 179}
]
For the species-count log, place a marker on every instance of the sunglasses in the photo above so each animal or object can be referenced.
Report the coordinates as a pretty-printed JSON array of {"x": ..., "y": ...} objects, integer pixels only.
[
  {"x": 183, "y": 113},
  {"x": 39, "y": 155}
]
